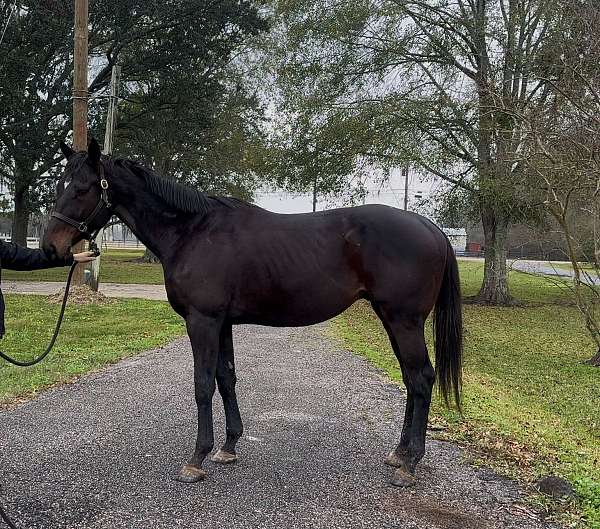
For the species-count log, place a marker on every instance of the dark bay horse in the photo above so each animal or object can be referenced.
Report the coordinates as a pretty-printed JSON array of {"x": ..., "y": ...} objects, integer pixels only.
[{"x": 227, "y": 262}]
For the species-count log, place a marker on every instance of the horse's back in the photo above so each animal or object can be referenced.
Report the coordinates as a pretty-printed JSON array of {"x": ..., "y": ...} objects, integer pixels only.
[{"x": 378, "y": 219}]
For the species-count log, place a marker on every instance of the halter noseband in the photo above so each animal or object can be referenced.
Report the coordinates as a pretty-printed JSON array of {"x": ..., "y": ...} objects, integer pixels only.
[{"x": 103, "y": 203}]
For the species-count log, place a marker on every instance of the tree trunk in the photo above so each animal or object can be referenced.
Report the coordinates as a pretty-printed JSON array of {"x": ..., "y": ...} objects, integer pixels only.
[
  {"x": 595, "y": 360},
  {"x": 494, "y": 289},
  {"x": 149, "y": 257},
  {"x": 20, "y": 222},
  {"x": 163, "y": 167}
]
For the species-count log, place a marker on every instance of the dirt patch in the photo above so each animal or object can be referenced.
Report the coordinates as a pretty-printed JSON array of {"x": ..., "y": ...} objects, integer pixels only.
[
  {"x": 81, "y": 295},
  {"x": 432, "y": 514}
]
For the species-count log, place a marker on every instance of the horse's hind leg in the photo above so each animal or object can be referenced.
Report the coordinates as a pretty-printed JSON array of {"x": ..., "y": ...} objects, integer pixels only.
[
  {"x": 408, "y": 341},
  {"x": 226, "y": 380},
  {"x": 396, "y": 457}
]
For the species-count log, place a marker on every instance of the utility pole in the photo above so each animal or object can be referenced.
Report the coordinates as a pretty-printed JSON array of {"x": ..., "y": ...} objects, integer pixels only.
[
  {"x": 405, "y": 173},
  {"x": 80, "y": 99},
  {"x": 111, "y": 123},
  {"x": 315, "y": 194}
]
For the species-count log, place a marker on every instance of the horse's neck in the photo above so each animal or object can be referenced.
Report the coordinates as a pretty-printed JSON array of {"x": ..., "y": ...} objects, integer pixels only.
[{"x": 152, "y": 226}]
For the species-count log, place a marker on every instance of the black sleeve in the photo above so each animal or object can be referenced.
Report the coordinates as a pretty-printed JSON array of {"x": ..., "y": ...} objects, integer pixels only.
[{"x": 14, "y": 257}]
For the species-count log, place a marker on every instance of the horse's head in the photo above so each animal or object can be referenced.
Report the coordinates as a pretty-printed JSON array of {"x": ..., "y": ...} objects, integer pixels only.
[{"x": 81, "y": 205}]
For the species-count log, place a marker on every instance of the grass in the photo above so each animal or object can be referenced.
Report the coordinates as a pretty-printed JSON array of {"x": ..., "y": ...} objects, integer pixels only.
[
  {"x": 530, "y": 289},
  {"x": 116, "y": 266},
  {"x": 92, "y": 336},
  {"x": 530, "y": 404}
]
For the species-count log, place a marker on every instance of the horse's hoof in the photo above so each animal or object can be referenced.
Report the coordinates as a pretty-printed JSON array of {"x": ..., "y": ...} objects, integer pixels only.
[
  {"x": 403, "y": 479},
  {"x": 191, "y": 474},
  {"x": 224, "y": 458},
  {"x": 393, "y": 460}
]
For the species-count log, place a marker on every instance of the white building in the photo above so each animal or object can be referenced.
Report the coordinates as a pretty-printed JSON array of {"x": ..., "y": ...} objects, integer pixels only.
[{"x": 457, "y": 238}]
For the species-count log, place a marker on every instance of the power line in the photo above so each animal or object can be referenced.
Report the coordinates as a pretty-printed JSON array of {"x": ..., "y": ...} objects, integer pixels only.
[
  {"x": 12, "y": 10},
  {"x": 388, "y": 191}
]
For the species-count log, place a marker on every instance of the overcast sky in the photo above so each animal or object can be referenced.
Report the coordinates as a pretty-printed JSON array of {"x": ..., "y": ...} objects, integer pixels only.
[{"x": 390, "y": 193}]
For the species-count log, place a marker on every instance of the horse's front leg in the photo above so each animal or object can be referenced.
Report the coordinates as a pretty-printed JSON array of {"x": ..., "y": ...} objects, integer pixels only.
[
  {"x": 204, "y": 334},
  {"x": 226, "y": 380}
]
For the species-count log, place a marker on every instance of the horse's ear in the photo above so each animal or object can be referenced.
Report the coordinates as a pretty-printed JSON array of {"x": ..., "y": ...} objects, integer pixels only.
[
  {"x": 66, "y": 150},
  {"x": 94, "y": 152}
]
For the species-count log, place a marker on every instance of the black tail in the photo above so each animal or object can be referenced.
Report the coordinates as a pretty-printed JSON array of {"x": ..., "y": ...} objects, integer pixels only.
[{"x": 448, "y": 330}]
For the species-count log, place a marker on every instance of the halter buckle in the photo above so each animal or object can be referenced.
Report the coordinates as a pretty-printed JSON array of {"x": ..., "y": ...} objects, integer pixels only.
[
  {"x": 83, "y": 227},
  {"x": 104, "y": 184}
]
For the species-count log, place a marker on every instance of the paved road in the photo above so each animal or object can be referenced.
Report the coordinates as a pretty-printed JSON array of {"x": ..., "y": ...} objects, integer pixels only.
[
  {"x": 549, "y": 269},
  {"x": 102, "y": 453},
  {"x": 111, "y": 290}
]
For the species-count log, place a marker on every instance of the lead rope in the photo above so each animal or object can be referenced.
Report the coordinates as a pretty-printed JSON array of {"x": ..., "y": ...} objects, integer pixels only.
[
  {"x": 37, "y": 360},
  {"x": 6, "y": 519}
]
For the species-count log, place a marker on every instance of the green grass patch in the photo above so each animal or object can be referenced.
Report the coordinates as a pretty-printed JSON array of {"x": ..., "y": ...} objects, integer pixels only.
[
  {"x": 116, "y": 266},
  {"x": 526, "y": 288},
  {"x": 92, "y": 336},
  {"x": 530, "y": 404}
]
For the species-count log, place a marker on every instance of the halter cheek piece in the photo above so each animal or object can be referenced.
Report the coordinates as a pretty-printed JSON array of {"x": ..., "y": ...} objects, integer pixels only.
[{"x": 83, "y": 227}]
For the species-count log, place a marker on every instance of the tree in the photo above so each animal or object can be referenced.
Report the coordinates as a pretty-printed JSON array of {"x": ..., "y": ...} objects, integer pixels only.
[
  {"x": 148, "y": 39},
  {"x": 315, "y": 157},
  {"x": 199, "y": 125},
  {"x": 200, "y": 134},
  {"x": 34, "y": 102},
  {"x": 567, "y": 166},
  {"x": 437, "y": 84},
  {"x": 562, "y": 153},
  {"x": 204, "y": 140}
]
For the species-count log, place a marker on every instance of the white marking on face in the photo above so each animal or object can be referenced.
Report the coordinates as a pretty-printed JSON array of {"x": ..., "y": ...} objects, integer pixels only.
[{"x": 66, "y": 184}]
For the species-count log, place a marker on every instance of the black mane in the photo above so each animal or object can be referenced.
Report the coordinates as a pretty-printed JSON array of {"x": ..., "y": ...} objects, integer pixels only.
[{"x": 179, "y": 196}]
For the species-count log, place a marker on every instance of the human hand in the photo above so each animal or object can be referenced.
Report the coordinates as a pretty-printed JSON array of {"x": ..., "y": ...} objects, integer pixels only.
[{"x": 84, "y": 257}]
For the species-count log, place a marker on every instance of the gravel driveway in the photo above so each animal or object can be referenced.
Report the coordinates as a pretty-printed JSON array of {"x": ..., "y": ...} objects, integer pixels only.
[
  {"x": 111, "y": 290},
  {"x": 103, "y": 452}
]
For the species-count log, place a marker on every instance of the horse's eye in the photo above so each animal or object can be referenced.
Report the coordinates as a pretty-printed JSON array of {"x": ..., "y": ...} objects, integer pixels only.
[{"x": 78, "y": 189}]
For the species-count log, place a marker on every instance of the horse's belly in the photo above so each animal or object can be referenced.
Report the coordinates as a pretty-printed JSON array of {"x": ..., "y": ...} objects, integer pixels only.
[{"x": 297, "y": 310}]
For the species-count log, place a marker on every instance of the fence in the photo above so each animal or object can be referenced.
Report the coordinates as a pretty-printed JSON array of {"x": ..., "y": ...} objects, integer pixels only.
[
  {"x": 127, "y": 244},
  {"x": 526, "y": 251}
]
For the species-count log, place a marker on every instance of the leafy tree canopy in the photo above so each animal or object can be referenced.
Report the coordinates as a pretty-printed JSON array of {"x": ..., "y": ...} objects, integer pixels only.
[{"x": 176, "y": 58}]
